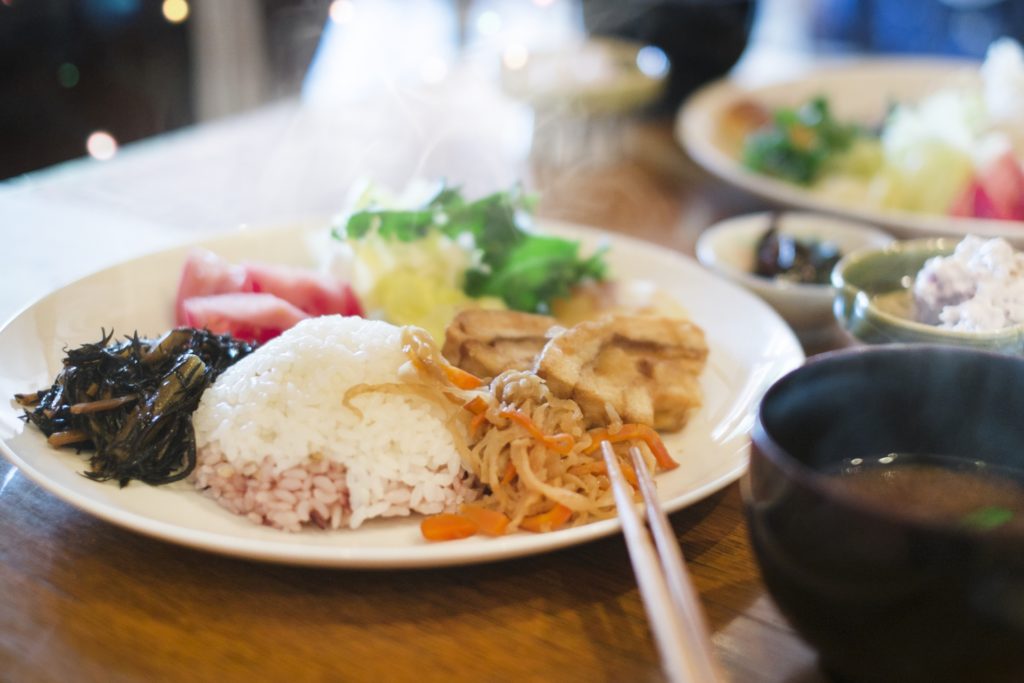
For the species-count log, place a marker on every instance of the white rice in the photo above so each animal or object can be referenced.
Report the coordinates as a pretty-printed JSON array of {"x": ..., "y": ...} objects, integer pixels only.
[{"x": 277, "y": 444}]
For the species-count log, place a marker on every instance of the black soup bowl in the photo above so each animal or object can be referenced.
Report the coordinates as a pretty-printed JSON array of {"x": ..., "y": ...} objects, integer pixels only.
[{"x": 882, "y": 589}]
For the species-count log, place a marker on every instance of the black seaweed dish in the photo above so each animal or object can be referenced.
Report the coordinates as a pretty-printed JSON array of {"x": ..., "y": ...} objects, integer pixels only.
[{"x": 131, "y": 402}]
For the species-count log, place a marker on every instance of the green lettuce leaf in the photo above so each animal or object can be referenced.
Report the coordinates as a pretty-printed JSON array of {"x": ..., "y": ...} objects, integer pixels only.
[{"x": 524, "y": 269}]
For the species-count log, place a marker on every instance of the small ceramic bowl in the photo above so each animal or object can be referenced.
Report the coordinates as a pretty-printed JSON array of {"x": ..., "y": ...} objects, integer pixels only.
[
  {"x": 729, "y": 248},
  {"x": 884, "y": 595},
  {"x": 872, "y": 302}
]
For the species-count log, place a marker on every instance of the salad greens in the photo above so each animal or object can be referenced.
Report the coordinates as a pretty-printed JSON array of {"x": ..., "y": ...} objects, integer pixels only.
[
  {"x": 524, "y": 269},
  {"x": 799, "y": 143}
]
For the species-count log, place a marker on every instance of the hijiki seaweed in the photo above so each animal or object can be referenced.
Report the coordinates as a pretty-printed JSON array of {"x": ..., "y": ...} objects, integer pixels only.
[{"x": 131, "y": 402}]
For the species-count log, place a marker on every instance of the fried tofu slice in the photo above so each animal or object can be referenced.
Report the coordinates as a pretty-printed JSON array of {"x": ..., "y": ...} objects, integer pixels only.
[
  {"x": 489, "y": 342},
  {"x": 646, "y": 367}
]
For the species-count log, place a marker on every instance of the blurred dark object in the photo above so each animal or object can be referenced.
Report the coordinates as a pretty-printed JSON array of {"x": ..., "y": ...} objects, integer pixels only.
[
  {"x": 703, "y": 39},
  {"x": 953, "y": 27},
  {"x": 884, "y": 596},
  {"x": 137, "y": 68},
  {"x": 69, "y": 68}
]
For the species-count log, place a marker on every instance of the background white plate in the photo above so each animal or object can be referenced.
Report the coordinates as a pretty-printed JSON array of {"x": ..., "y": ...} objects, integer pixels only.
[
  {"x": 861, "y": 92},
  {"x": 750, "y": 348}
]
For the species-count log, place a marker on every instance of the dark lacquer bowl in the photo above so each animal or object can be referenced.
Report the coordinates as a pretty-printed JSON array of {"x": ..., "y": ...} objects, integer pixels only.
[{"x": 884, "y": 596}]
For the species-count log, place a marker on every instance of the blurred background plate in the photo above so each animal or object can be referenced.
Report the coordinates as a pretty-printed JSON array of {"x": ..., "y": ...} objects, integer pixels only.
[{"x": 859, "y": 91}]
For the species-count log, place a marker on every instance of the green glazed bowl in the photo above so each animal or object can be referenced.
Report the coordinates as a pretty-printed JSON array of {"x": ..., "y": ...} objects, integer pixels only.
[{"x": 872, "y": 301}]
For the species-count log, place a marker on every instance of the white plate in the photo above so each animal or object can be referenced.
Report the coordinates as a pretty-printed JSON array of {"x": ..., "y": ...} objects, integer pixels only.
[
  {"x": 861, "y": 92},
  {"x": 750, "y": 348}
]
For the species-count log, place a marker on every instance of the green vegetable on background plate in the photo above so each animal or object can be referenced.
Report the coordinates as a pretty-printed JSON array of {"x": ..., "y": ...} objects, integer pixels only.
[
  {"x": 524, "y": 269},
  {"x": 799, "y": 144}
]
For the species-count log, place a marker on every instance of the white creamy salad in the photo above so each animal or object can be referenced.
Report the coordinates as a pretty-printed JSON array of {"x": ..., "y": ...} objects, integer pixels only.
[{"x": 977, "y": 288}]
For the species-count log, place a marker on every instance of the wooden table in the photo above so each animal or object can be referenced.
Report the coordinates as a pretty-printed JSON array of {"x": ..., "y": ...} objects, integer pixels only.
[{"x": 82, "y": 600}]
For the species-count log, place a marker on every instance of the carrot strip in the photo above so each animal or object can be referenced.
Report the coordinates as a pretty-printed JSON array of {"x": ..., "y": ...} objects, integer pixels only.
[
  {"x": 476, "y": 406},
  {"x": 490, "y": 522},
  {"x": 634, "y": 432},
  {"x": 547, "y": 521},
  {"x": 447, "y": 527},
  {"x": 598, "y": 467},
  {"x": 559, "y": 443},
  {"x": 629, "y": 473},
  {"x": 417, "y": 362},
  {"x": 457, "y": 376},
  {"x": 510, "y": 473},
  {"x": 475, "y": 423},
  {"x": 657, "y": 446},
  {"x": 461, "y": 378}
]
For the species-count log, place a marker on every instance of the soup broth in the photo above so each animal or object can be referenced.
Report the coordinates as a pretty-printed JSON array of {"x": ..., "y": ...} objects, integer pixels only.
[{"x": 957, "y": 491}]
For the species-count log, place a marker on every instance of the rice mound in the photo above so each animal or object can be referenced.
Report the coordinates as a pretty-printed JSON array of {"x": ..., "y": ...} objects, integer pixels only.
[{"x": 277, "y": 443}]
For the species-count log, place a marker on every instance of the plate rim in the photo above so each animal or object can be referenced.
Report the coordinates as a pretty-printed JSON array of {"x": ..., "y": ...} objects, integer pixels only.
[
  {"x": 340, "y": 557},
  {"x": 690, "y": 128}
]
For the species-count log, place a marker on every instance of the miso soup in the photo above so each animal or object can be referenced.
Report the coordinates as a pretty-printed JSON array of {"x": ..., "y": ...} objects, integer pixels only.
[{"x": 957, "y": 491}]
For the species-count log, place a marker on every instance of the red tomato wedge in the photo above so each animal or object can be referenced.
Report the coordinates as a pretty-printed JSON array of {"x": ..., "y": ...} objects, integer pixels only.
[
  {"x": 974, "y": 203},
  {"x": 315, "y": 293},
  {"x": 206, "y": 273},
  {"x": 996, "y": 192},
  {"x": 1003, "y": 181},
  {"x": 257, "y": 317},
  {"x": 284, "y": 295}
]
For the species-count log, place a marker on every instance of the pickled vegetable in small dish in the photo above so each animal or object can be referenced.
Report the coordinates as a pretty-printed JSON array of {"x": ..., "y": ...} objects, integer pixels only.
[
  {"x": 786, "y": 258},
  {"x": 807, "y": 261}
]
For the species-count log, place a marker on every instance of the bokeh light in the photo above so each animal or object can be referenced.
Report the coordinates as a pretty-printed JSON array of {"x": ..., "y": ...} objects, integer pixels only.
[
  {"x": 101, "y": 145},
  {"x": 652, "y": 61},
  {"x": 175, "y": 11},
  {"x": 515, "y": 56},
  {"x": 488, "y": 23},
  {"x": 433, "y": 69},
  {"x": 342, "y": 11}
]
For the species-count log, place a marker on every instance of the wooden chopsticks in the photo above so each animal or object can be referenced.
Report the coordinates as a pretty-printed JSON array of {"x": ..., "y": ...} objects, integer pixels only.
[{"x": 672, "y": 605}]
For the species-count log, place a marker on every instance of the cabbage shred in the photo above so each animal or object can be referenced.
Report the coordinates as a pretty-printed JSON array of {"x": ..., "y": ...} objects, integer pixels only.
[{"x": 524, "y": 269}]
